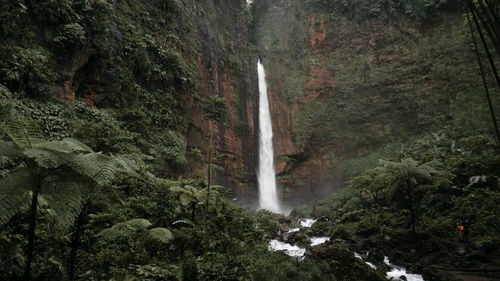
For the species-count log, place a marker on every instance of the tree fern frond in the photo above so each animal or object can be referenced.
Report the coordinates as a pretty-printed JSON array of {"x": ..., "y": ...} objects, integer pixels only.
[
  {"x": 15, "y": 190},
  {"x": 23, "y": 132},
  {"x": 139, "y": 223},
  {"x": 67, "y": 145},
  {"x": 184, "y": 221},
  {"x": 10, "y": 149},
  {"x": 47, "y": 159},
  {"x": 161, "y": 234},
  {"x": 100, "y": 168},
  {"x": 112, "y": 233},
  {"x": 65, "y": 198}
]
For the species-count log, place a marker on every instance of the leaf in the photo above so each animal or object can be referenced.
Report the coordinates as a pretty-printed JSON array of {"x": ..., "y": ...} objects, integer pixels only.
[
  {"x": 161, "y": 234},
  {"x": 46, "y": 159},
  {"x": 23, "y": 132},
  {"x": 139, "y": 223},
  {"x": 10, "y": 149},
  {"x": 184, "y": 221},
  {"x": 67, "y": 145},
  {"x": 64, "y": 197},
  {"x": 186, "y": 199}
]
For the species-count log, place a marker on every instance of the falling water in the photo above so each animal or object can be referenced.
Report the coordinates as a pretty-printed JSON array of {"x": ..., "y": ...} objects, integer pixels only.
[{"x": 268, "y": 198}]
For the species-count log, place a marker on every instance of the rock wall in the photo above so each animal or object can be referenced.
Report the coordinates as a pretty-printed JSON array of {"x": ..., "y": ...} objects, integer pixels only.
[
  {"x": 342, "y": 87},
  {"x": 184, "y": 49},
  {"x": 226, "y": 69}
]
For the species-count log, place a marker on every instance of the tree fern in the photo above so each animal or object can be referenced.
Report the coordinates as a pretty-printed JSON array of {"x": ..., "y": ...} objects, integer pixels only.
[
  {"x": 10, "y": 149},
  {"x": 46, "y": 159},
  {"x": 161, "y": 234},
  {"x": 139, "y": 223},
  {"x": 67, "y": 145},
  {"x": 23, "y": 132},
  {"x": 41, "y": 175},
  {"x": 99, "y": 167},
  {"x": 65, "y": 198}
]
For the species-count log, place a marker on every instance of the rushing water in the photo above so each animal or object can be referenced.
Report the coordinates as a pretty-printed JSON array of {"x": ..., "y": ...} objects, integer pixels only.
[
  {"x": 396, "y": 272},
  {"x": 268, "y": 198}
]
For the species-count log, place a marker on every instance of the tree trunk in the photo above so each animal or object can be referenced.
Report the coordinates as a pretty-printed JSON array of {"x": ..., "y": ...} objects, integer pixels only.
[
  {"x": 31, "y": 235},
  {"x": 75, "y": 240},
  {"x": 209, "y": 164},
  {"x": 409, "y": 190}
]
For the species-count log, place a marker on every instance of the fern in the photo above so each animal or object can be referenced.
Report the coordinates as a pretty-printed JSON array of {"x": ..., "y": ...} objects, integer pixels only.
[
  {"x": 46, "y": 159},
  {"x": 99, "y": 167},
  {"x": 161, "y": 234},
  {"x": 65, "y": 199},
  {"x": 139, "y": 223},
  {"x": 116, "y": 231},
  {"x": 15, "y": 190},
  {"x": 10, "y": 149},
  {"x": 184, "y": 221},
  {"x": 24, "y": 133},
  {"x": 67, "y": 145}
]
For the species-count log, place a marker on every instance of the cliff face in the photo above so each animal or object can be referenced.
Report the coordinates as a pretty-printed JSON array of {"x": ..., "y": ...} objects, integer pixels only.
[
  {"x": 226, "y": 68},
  {"x": 342, "y": 87},
  {"x": 152, "y": 65}
]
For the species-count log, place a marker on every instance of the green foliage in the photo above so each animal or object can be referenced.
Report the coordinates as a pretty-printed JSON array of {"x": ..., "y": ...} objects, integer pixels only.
[
  {"x": 161, "y": 234},
  {"x": 26, "y": 70},
  {"x": 384, "y": 9},
  {"x": 215, "y": 109},
  {"x": 45, "y": 169},
  {"x": 72, "y": 33}
]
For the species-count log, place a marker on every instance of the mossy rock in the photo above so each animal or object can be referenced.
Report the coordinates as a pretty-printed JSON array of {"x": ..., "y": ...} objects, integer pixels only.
[
  {"x": 303, "y": 211},
  {"x": 344, "y": 264},
  {"x": 299, "y": 238},
  {"x": 340, "y": 231},
  {"x": 321, "y": 228}
]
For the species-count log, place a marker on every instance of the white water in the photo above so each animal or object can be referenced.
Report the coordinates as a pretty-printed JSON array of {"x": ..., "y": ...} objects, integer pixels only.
[
  {"x": 307, "y": 222},
  {"x": 356, "y": 255},
  {"x": 268, "y": 198},
  {"x": 319, "y": 240},
  {"x": 397, "y": 272},
  {"x": 293, "y": 251}
]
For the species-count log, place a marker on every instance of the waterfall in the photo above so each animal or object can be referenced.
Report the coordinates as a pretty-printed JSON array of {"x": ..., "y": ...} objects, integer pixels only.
[{"x": 268, "y": 198}]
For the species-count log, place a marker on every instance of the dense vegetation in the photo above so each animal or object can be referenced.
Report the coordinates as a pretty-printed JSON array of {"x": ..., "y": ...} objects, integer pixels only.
[
  {"x": 429, "y": 187},
  {"x": 93, "y": 141}
]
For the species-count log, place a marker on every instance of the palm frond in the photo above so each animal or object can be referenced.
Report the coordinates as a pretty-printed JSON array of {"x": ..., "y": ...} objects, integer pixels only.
[{"x": 15, "y": 190}]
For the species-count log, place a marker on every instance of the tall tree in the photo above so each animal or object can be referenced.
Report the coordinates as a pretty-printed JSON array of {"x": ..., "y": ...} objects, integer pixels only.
[
  {"x": 61, "y": 172},
  {"x": 407, "y": 179},
  {"x": 214, "y": 111}
]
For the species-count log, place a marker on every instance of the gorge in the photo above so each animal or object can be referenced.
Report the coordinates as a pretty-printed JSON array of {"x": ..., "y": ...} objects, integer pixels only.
[{"x": 187, "y": 140}]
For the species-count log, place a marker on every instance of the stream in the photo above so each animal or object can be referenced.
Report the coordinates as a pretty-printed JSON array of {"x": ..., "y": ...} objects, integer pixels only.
[{"x": 395, "y": 273}]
